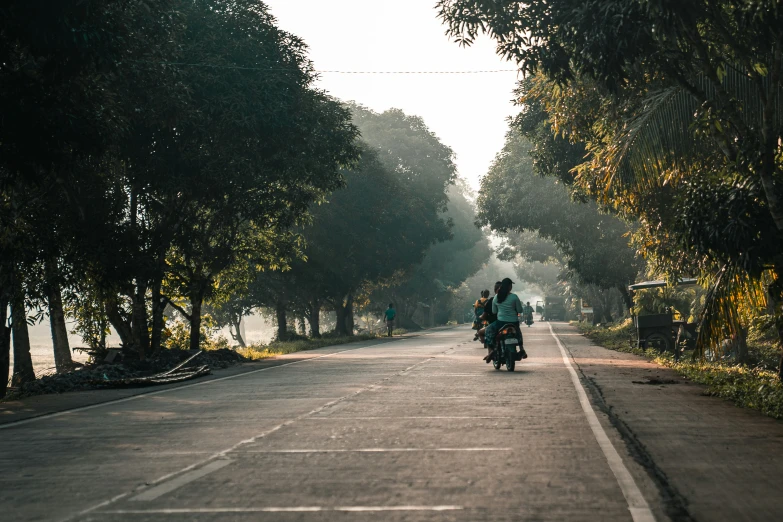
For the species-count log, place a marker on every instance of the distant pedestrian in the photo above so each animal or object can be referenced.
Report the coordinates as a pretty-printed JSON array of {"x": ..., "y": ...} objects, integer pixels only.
[{"x": 390, "y": 314}]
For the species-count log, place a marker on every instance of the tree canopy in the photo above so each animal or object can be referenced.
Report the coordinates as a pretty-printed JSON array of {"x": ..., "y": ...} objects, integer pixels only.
[{"x": 677, "y": 106}]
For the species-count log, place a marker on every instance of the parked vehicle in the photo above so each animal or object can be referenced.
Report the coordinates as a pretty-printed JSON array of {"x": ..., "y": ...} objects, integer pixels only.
[
  {"x": 661, "y": 332},
  {"x": 554, "y": 308}
]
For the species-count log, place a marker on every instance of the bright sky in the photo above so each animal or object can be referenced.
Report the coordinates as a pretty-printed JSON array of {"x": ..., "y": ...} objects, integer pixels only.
[{"x": 466, "y": 111}]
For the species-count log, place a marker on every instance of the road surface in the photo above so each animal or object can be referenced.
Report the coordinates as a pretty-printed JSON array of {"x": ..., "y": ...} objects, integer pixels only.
[{"x": 411, "y": 429}]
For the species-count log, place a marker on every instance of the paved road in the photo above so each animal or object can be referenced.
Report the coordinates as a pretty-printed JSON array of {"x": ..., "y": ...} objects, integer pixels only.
[{"x": 410, "y": 430}]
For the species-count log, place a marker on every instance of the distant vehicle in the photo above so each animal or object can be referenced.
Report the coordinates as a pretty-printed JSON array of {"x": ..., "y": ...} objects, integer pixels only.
[
  {"x": 540, "y": 307},
  {"x": 554, "y": 308}
]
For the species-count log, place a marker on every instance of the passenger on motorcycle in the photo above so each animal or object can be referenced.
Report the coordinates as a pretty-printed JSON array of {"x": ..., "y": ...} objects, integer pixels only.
[
  {"x": 507, "y": 306},
  {"x": 478, "y": 312},
  {"x": 488, "y": 317}
]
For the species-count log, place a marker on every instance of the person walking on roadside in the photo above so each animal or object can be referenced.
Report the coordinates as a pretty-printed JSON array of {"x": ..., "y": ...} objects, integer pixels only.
[{"x": 390, "y": 314}]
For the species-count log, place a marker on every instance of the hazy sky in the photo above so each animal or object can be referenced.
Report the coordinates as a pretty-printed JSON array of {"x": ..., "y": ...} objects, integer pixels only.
[{"x": 466, "y": 111}]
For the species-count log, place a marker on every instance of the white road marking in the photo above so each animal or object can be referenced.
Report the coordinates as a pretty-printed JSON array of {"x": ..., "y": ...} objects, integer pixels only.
[
  {"x": 422, "y": 417},
  {"x": 302, "y": 509},
  {"x": 450, "y": 398},
  {"x": 452, "y": 375},
  {"x": 222, "y": 454},
  {"x": 13, "y": 424},
  {"x": 637, "y": 505},
  {"x": 187, "y": 478},
  {"x": 374, "y": 450}
]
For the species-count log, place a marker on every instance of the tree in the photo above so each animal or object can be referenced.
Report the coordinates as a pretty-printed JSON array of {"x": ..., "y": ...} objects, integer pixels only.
[
  {"x": 58, "y": 65},
  {"x": 513, "y": 198},
  {"x": 125, "y": 170},
  {"x": 361, "y": 236},
  {"x": 683, "y": 95},
  {"x": 432, "y": 284}
]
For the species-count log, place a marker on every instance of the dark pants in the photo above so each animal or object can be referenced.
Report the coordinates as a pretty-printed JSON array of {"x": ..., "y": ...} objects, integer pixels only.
[{"x": 494, "y": 328}]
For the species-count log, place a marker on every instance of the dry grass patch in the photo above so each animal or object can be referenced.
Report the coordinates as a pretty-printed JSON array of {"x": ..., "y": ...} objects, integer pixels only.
[{"x": 256, "y": 352}]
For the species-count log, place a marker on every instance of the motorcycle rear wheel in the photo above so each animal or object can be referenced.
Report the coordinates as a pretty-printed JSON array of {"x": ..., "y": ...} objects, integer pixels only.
[{"x": 510, "y": 360}]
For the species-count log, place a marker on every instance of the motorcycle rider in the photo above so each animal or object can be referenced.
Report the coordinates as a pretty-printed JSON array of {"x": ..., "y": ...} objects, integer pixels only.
[
  {"x": 528, "y": 313},
  {"x": 507, "y": 306}
]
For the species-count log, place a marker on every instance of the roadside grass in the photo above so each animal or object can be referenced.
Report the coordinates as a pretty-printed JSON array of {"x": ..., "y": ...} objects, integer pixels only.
[
  {"x": 753, "y": 386},
  {"x": 256, "y": 352}
]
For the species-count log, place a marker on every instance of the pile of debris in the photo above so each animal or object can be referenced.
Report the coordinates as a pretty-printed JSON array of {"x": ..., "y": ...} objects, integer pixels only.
[{"x": 114, "y": 371}]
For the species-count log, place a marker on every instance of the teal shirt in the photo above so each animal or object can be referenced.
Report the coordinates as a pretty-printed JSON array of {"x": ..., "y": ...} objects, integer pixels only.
[
  {"x": 391, "y": 313},
  {"x": 508, "y": 309}
]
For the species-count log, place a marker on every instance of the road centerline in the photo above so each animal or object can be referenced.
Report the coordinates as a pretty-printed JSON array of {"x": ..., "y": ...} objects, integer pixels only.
[
  {"x": 223, "y": 454},
  {"x": 181, "y": 480}
]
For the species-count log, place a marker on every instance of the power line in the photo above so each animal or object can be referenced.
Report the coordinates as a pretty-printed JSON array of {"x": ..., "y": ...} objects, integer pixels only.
[
  {"x": 420, "y": 72},
  {"x": 281, "y": 69}
]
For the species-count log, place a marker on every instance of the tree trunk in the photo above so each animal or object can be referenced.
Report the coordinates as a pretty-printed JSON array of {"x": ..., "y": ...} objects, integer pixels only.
[
  {"x": 62, "y": 351},
  {"x": 742, "y": 345},
  {"x": 282, "y": 320},
  {"x": 236, "y": 322},
  {"x": 770, "y": 137},
  {"x": 314, "y": 318},
  {"x": 196, "y": 299},
  {"x": 141, "y": 336},
  {"x": 5, "y": 346},
  {"x": 775, "y": 293},
  {"x": 23, "y": 362},
  {"x": 158, "y": 306},
  {"x": 340, "y": 313},
  {"x": 120, "y": 325},
  {"x": 349, "y": 323}
]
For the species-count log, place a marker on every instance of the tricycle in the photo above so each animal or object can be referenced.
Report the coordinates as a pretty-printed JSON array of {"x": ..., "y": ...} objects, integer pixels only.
[{"x": 661, "y": 332}]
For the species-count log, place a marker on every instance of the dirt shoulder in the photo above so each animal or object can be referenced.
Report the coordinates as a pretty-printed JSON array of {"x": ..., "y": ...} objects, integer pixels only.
[{"x": 710, "y": 459}]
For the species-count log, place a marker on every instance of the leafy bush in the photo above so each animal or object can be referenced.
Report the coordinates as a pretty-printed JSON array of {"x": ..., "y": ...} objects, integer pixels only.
[{"x": 615, "y": 337}]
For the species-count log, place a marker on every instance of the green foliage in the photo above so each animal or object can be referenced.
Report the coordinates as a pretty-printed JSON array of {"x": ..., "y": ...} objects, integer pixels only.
[
  {"x": 615, "y": 337},
  {"x": 514, "y": 198},
  {"x": 436, "y": 282},
  {"x": 746, "y": 387},
  {"x": 678, "y": 107},
  {"x": 754, "y": 387},
  {"x": 149, "y": 156}
]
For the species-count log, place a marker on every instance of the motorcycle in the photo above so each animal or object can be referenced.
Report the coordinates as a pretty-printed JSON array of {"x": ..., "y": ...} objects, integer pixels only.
[
  {"x": 505, "y": 349},
  {"x": 529, "y": 320}
]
